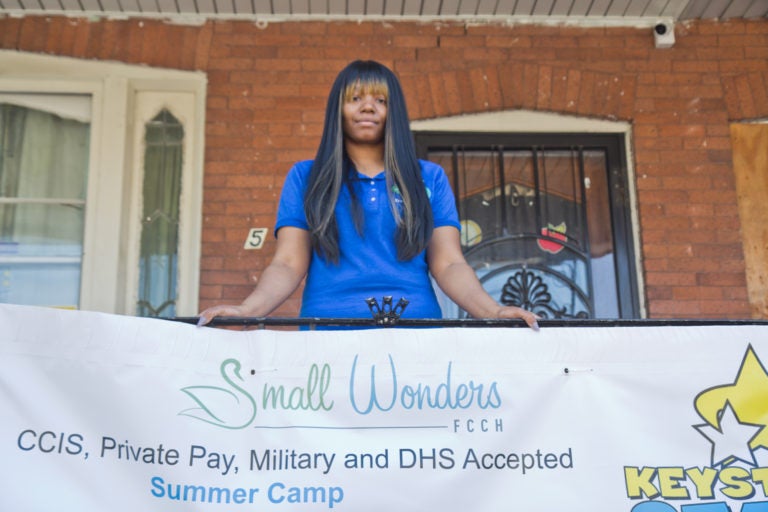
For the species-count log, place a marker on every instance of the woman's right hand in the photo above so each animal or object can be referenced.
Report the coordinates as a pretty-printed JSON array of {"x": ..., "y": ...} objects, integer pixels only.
[
  {"x": 278, "y": 281},
  {"x": 223, "y": 310}
]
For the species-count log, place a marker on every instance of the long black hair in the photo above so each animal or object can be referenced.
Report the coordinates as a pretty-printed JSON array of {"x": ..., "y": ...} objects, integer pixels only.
[{"x": 332, "y": 168}]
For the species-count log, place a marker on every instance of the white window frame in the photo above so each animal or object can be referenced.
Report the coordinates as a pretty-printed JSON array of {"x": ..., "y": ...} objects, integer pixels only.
[{"x": 109, "y": 281}]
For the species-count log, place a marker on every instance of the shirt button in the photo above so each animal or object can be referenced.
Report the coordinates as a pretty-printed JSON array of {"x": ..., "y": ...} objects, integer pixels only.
[{"x": 373, "y": 182}]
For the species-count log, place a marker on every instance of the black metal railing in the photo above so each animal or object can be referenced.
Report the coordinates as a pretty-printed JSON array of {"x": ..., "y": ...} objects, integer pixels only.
[
  {"x": 312, "y": 323},
  {"x": 387, "y": 314}
]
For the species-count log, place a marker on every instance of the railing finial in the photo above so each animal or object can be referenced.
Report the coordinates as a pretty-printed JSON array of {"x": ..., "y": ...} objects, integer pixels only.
[{"x": 386, "y": 315}]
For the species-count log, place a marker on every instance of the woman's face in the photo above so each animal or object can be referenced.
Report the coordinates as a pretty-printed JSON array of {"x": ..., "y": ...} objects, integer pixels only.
[{"x": 364, "y": 115}]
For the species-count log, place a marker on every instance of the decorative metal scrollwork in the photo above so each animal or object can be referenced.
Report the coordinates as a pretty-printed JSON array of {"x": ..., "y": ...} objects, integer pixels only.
[
  {"x": 386, "y": 315},
  {"x": 529, "y": 291}
]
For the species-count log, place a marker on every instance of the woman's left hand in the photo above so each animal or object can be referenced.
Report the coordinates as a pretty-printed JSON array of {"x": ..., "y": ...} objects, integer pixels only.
[{"x": 516, "y": 312}]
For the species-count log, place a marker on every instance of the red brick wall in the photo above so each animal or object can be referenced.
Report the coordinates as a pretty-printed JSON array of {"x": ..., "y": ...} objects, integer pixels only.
[{"x": 267, "y": 89}]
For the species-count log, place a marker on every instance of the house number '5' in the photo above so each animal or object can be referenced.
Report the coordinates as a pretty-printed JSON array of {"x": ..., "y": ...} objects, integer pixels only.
[{"x": 255, "y": 238}]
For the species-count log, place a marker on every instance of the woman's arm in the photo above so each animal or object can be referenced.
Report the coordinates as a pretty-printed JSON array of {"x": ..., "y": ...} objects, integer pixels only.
[
  {"x": 277, "y": 282},
  {"x": 457, "y": 279}
]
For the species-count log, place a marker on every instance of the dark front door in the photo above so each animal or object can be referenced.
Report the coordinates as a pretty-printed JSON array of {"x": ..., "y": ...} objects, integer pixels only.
[{"x": 545, "y": 219}]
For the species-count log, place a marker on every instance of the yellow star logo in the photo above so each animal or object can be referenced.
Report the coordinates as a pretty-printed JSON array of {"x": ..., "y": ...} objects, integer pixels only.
[{"x": 747, "y": 396}]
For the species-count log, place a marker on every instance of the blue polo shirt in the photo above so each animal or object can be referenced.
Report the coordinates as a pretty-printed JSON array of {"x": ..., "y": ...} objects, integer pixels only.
[{"x": 368, "y": 264}]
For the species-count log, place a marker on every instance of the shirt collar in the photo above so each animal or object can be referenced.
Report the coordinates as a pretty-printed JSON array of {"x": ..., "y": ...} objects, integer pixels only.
[{"x": 362, "y": 177}]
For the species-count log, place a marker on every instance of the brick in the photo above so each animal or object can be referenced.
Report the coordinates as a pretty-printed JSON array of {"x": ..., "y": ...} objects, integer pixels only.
[
  {"x": 658, "y": 293},
  {"x": 707, "y": 118},
  {"x": 689, "y": 210},
  {"x": 700, "y": 66},
  {"x": 724, "y": 309},
  {"x": 544, "y": 93},
  {"x": 209, "y": 295},
  {"x": 10, "y": 33},
  {"x": 758, "y": 86},
  {"x": 508, "y": 41},
  {"x": 627, "y": 95},
  {"x": 55, "y": 30},
  {"x": 510, "y": 81},
  {"x": 713, "y": 252},
  {"x": 736, "y": 294},
  {"x": 658, "y": 144},
  {"x": 463, "y": 41},
  {"x": 348, "y": 54},
  {"x": 437, "y": 92},
  {"x": 33, "y": 34},
  {"x": 465, "y": 88},
  {"x": 134, "y": 38},
  {"x": 670, "y": 279},
  {"x": 485, "y": 54},
  {"x": 452, "y": 95},
  {"x": 530, "y": 86},
  {"x": 721, "y": 279},
  {"x": 203, "y": 46},
  {"x": 224, "y": 277},
  {"x": 648, "y": 66},
  {"x": 721, "y": 27},
  {"x": 68, "y": 37},
  {"x": 81, "y": 43},
  {"x": 573, "y": 90},
  {"x": 688, "y": 293},
  {"x": 408, "y": 41},
  {"x": 479, "y": 86},
  {"x": 554, "y": 41},
  {"x": 495, "y": 97},
  {"x": 673, "y": 309}
]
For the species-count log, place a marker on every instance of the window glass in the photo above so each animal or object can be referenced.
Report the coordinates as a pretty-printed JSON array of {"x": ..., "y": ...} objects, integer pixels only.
[
  {"x": 158, "y": 270},
  {"x": 43, "y": 175}
]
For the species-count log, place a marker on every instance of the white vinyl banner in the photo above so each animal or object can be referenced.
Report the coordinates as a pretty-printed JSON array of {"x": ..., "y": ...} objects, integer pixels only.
[{"x": 105, "y": 412}]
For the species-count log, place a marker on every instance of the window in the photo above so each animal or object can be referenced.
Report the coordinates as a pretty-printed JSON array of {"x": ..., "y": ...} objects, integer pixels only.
[
  {"x": 72, "y": 208},
  {"x": 43, "y": 173},
  {"x": 163, "y": 148},
  {"x": 546, "y": 219}
]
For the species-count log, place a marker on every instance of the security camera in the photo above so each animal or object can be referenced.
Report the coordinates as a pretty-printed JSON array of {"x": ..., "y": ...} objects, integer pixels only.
[{"x": 664, "y": 34}]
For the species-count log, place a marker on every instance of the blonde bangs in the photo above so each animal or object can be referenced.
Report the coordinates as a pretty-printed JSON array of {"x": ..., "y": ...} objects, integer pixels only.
[{"x": 363, "y": 87}]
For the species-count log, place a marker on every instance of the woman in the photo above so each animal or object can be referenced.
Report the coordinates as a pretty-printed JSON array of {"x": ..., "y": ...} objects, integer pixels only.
[{"x": 393, "y": 224}]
